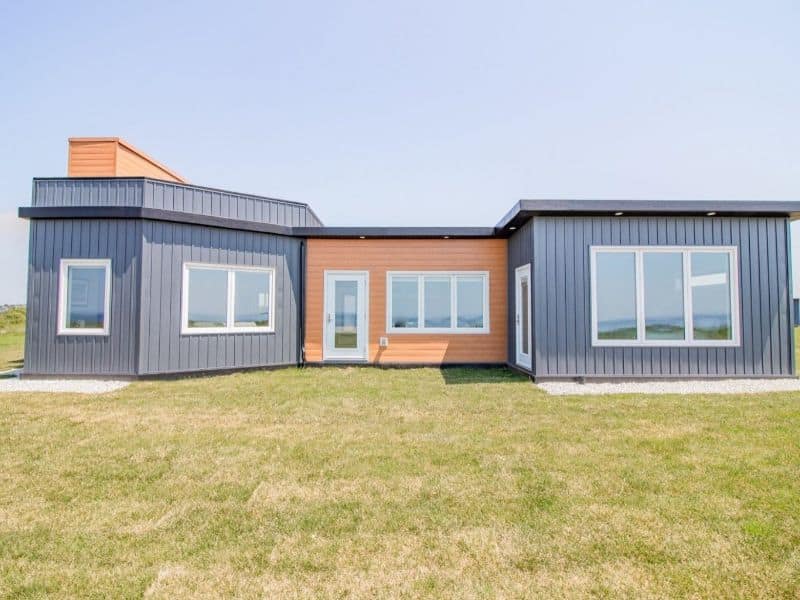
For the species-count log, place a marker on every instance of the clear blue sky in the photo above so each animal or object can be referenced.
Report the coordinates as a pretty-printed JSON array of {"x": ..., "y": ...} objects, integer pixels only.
[{"x": 409, "y": 113}]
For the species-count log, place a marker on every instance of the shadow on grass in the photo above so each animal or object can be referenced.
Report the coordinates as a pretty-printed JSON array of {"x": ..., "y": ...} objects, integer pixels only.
[{"x": 460, "y": 375}]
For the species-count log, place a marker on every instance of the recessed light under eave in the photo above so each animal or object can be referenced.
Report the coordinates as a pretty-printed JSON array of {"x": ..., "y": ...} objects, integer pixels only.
[{"x": 619, "y": 213}]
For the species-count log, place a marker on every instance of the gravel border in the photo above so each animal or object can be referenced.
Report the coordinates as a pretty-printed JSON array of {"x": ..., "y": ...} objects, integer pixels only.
[
  {"x": 61, "y": 386},
  {"x": 716, "y": 386}
]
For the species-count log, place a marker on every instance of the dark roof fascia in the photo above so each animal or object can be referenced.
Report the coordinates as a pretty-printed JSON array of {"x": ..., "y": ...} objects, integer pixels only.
[
  {"x": 525, "y": 209},
  {"x": 395, "y": 232},
  {"x": 155, "y": 214}
]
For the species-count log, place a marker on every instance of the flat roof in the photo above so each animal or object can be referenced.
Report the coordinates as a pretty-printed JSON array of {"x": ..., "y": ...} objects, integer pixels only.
[
  {"x": 514, "y": 218},
  {"x": 395, "y": 232},
  {"x": 525, "y": 209}
]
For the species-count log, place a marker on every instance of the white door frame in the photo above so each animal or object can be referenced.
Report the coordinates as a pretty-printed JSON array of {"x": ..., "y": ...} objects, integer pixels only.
[
  {"x": 523, "y": 360},
  {"x": 360, "y": 353}
]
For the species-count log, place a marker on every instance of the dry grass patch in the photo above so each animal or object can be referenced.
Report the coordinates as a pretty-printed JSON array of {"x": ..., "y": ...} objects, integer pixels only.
[{"x": 371, "y": 483}]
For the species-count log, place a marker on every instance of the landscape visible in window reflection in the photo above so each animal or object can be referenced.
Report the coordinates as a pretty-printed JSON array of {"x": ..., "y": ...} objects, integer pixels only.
[
  {"x": 208, "y": 298},
  {"x": 437, "y": 294},
  {"x": 86, "y": 297},
  {"x": 711, "y": 296},
  {"x": 251, "y": 302},
  {"x": 616, "y": 296},
  {"x": 346, "y": 314},
  {"x": 663, "y": 296},
  {"x": 664, "y": 288}
]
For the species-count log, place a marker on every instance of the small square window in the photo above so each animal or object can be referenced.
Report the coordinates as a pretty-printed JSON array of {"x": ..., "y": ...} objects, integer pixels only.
[{"x": 84, "y": 296}]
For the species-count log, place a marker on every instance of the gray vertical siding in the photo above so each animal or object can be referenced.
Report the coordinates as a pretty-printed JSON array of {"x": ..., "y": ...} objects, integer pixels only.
[
  {"x": 88, "y": 192},
  {"x": 520, "y": 252},
  {"x": 146, "y": 259},
  {"x": 48, "y": 353},
  {"x": 561, "y": 299},
  {"x": 217, "y": 203},
  {"x": 151, "y": 193},
  {"x": 166, "y": 247}
]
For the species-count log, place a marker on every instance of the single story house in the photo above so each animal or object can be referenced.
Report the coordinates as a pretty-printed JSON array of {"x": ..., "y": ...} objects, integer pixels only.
[{"x": 134, "y": 272}]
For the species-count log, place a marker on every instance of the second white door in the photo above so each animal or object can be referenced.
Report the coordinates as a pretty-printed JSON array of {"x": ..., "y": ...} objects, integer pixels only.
[
  {"x": 345, "y": 327},
  {"x": 523, "y": 315}
]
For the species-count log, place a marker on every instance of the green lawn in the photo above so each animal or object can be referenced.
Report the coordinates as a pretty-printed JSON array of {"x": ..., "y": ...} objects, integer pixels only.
[
  {"x": 12, "y": 337},
  {"x": 364, "y": 482}
]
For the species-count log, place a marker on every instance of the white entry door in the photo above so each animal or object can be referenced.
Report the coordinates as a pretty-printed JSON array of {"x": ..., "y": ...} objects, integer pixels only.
[
  {"x": 345, "y": 327},
  {"x": 523, "y": 316}
]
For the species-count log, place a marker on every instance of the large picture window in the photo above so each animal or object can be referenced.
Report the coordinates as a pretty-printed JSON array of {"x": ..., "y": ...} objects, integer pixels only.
[
  {"x": 664, "y": 296},
  {"x": 84, "y": 296},
  {"x": 227, "y": 299},
  {"x": 438, "y": 302}
]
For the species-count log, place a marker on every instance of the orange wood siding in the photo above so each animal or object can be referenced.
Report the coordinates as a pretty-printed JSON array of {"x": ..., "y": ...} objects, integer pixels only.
[
  {"x": 379, "y": 256},
  {"x": 92, "y": 158},
  {"x": 134, "y": 163},
  {"x": 113, "y": 157}
]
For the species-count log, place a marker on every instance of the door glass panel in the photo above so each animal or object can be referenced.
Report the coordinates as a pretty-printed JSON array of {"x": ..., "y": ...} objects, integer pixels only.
[
  {"x": 616, "y": 295},
  {"x": 663, "y": 296},
  {"x": 345, "y": 314},
  {"x": 524, "y": 316},
  {"x": 437, "y": 302},
  {"x": 711, "y": 296},
  {"x": 208, "y": 298}
]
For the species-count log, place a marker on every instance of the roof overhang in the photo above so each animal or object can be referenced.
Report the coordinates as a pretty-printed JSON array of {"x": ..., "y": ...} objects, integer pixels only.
[
  {"x": 156, "y": 214},
  {"x": 395, "y": 232},
  {"x": 525, "y": 209}
]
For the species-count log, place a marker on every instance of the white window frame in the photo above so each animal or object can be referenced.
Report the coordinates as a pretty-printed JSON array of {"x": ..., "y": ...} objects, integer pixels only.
[
  {"x": 453, "y": 302},
  {"x": 685, "y": 251},
  {"x": 63, "y": 275},
  {"x": 230, "y": 316}
]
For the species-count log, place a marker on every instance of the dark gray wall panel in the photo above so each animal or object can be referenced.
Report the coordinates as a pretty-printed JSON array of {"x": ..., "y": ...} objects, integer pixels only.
[
  {"x": 47, "y": 353},
  {"x": 562, "y": 298},
  {"x": 150, "y": 193},
  {"x": 520, "y": 252},
  {"x": 218, "y": 203},
  {"x": 88, "y": 192},
  {"x": 166, "y": 247}
]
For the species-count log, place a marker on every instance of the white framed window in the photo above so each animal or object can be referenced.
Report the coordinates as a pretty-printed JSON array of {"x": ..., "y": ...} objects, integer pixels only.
[
  {"x": 437, "y": 302},
  {"x": 665, "y": 296},
  {"x": 227, "y": 299},
  {"x": 84, "y": 296}
]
